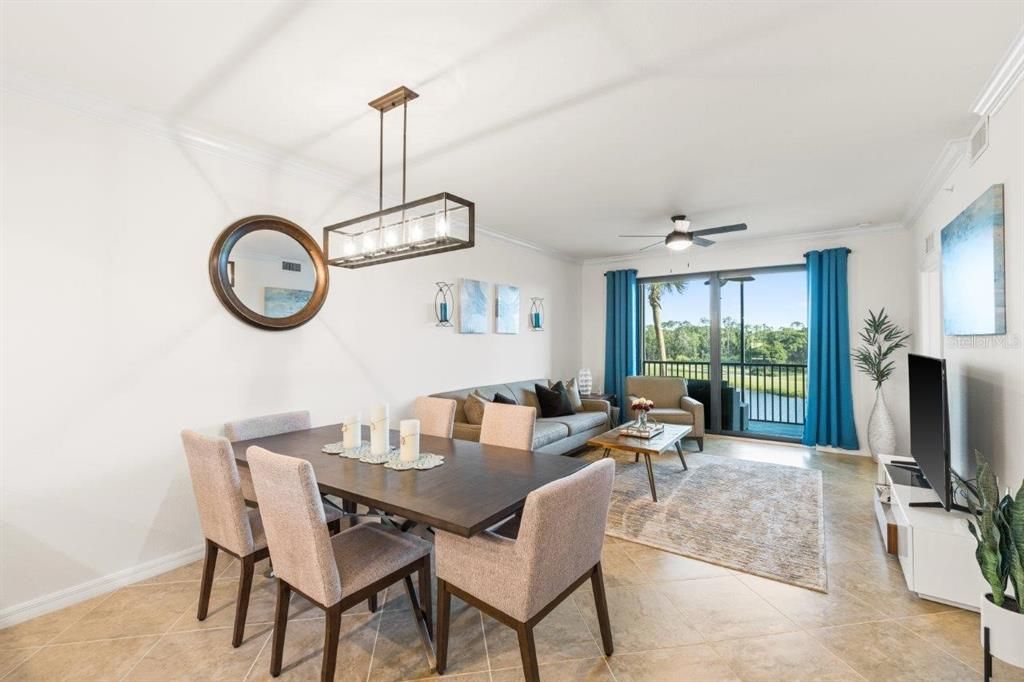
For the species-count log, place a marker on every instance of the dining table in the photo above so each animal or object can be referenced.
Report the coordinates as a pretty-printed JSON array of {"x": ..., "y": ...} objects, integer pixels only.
[{"x": 477, "y": 486}]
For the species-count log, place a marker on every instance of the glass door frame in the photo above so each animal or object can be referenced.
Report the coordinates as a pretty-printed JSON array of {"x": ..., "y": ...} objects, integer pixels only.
[{"x": 714, "y": 280}]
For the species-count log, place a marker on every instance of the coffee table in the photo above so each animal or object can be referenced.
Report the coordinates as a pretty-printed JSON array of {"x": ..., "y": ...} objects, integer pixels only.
[{"x": 672, "y": 436}]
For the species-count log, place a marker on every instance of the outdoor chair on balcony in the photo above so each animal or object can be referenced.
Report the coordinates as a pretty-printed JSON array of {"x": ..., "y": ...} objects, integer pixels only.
[{"x": 672, "y": 404}]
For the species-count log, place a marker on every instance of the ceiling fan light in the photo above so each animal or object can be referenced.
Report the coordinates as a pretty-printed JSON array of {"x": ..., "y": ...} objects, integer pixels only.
[{"x": 678, "y": 241}]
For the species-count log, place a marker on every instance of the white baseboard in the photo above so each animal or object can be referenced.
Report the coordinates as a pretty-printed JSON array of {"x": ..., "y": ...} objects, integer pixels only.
[{"x": 108, "y": 583}]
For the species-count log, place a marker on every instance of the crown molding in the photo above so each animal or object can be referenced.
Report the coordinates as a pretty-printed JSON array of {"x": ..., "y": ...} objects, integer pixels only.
[
  {"x": 250, "y": 152},
  {"x": 953, "y": 152},
  {"x": 774, "y": 238},
  {"x": 1004, "y": 79}
]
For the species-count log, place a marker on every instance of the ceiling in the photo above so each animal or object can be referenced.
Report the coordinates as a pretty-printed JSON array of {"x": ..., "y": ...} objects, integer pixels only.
[{"x": 567, "y": 123}]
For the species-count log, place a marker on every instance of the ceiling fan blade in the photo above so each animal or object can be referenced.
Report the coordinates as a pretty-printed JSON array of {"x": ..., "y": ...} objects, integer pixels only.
[
  {"x": 645, "y": 236},
  {"x": 700, "y": 241},
  {"x": 651, "y": 246},
  {"x": 719, "y": 230}
]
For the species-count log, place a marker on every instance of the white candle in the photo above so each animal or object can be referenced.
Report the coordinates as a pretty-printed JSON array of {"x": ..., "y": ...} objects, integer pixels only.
[
  {"x": 410, "y": 430},
  {"x": 351, "y": 431},
  {"x": 379, "y": 444}
]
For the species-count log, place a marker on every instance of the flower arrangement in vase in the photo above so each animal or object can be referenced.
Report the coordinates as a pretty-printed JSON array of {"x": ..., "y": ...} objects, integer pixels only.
[{"x": 641, "y": 406}]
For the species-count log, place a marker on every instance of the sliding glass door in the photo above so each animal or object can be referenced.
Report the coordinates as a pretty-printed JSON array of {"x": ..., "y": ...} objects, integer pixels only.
[{"x": 739, "y": 338}]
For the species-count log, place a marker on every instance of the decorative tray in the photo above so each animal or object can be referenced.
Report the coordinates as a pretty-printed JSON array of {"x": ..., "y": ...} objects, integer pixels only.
[{"x": 636, "y": 432}]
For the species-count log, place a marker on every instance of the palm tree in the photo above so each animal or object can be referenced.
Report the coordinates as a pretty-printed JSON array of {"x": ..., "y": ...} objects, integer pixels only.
[{"x": 654, "y": 291}]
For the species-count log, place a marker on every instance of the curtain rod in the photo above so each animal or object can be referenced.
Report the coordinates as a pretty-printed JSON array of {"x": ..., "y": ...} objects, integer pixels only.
[{"x": 810, "y": 252}]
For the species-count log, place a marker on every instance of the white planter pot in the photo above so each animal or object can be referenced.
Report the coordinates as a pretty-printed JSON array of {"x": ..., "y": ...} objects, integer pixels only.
[
  {"x": 881, "y": 430},
  {"x": 1005, "y": 632}
]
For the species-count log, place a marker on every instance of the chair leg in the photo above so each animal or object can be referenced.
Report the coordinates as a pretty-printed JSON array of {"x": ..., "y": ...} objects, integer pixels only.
[
  {"x": 284, "y": 593},
  {"x": 601, "y": 604},
  {"x": 242, "y": 601},
  {"x": 421, "y": 623},
  {"x": 334, "y": 527},
  {"x": 371, "y": 604},
  {"x": 332, "y": 631},
  {"x": 636, "y": 457},
  {"x": 528, "y": 652},
  {"x": 426, "y": 600},
  {"x": 700, "y": 443},
  {"x": 444, "y": 612},
  {"x": 209, "y": 568}
]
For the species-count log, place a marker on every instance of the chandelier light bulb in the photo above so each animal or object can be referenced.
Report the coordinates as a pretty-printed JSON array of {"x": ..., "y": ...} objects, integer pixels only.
[
  {"x": 442, "y": 225},
  {"x": 416, "y": 231}
]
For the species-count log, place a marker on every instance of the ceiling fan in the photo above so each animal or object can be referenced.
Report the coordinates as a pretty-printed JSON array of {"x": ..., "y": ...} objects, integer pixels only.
[{"x": 681, "y": 237}]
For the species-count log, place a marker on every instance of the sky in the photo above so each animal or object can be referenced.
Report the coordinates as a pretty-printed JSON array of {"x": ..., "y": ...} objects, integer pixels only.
[{"x": 777, "y": 299}]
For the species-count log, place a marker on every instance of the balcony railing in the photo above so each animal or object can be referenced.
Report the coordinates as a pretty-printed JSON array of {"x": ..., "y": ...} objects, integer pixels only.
[{"x": 773, "y": 392}]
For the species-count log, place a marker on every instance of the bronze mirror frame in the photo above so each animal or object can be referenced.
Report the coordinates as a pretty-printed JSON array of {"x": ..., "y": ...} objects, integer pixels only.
[{"x": 220, "y": 275}]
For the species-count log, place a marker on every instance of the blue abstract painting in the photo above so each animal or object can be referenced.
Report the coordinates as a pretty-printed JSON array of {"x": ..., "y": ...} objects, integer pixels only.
[
  {"x": 278, "y": 302},
  {"x": 506, "y": 317},
  {"x": 473, "y": 307},
  {"x": 973, "y": 268}
]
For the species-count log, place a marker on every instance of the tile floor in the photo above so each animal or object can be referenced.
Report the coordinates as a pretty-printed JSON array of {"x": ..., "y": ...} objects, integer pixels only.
[{"x": 673, "y": 619}]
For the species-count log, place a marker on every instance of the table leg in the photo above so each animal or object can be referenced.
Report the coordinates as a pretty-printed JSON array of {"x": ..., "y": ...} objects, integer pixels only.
[
  {"x": 650, "y": 477},
  {"x": 606, "y": 452},
  {"x": 636, "y": 457},
  {"x": 679, "y": 449}
]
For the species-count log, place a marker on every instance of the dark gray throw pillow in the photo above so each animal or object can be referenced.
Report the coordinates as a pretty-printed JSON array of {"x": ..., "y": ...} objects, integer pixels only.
[
  {"x": 504, "y": 399},
  {"x": 554, "y": 401}
]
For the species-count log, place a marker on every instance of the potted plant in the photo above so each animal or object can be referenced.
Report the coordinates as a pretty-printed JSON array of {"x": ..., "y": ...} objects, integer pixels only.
[
  {"x": 998, "y": 526},
  {"x": 641, "y": 406},
  {"x": 882, "y": 337}
]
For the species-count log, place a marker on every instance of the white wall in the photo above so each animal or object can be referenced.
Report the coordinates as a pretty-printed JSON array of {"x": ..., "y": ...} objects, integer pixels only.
[
  {"x": 113, "y": 340},
  {"x": 986, "y": 373},
  {"x": 881, "y": 273}
]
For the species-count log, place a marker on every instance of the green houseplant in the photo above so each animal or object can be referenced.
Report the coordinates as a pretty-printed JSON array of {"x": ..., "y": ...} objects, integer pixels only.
[
  {"x": 881, "y": 338},
  {"x": 997, "y": 524}
]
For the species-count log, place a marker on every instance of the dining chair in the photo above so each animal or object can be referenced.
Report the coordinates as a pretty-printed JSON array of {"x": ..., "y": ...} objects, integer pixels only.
[
  {"x": 510, "y": 426},
  {"x": 334, "y": 573},
  {"x": 228, "y": 525},
  {"x": 261, "y": 427},
  {"x": 436, "y": 415},
  {"x": 519, "y": 582}
]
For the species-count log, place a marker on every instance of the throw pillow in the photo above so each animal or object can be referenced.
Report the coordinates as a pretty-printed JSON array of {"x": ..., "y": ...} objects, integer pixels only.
[
  {"x": 574, "y": 394},
  {"x": 504, "y": 399},
  {"x": 554, "y": 401},
  {"x": 474, "y": 407}
]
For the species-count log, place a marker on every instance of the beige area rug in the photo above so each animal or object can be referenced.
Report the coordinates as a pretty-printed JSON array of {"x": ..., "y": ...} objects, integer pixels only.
[{"x": 758, "y": 518}]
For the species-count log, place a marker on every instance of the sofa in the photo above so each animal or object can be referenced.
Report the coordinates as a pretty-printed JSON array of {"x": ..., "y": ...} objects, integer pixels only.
[
  {"x": 672, "y": 403},
  {"x": 554, "y": 435}
]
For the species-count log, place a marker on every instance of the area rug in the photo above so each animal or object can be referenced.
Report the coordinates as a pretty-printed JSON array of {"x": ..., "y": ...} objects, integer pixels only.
[{"x": 758, "y": 518}]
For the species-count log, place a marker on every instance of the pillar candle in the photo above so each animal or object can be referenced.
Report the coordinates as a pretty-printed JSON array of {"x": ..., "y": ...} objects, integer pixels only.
[
  {"x": 536, "y": 320},
  {"x": 351, "y": 431},
  {"x": 410, "y": 449},
  {"x": 444, "y": 311},
  {"x": 379, "y": 444}
]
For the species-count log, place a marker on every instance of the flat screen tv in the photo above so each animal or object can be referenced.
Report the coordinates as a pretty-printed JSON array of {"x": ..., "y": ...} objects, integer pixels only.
[{"x": 929, "y": 426}]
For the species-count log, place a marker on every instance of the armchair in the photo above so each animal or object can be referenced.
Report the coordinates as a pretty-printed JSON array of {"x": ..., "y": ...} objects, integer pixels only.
[{"x": 672, "y": 404}]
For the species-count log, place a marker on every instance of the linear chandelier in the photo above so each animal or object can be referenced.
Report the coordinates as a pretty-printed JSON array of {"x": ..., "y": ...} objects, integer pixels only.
[{"x": 421, "y": 227}]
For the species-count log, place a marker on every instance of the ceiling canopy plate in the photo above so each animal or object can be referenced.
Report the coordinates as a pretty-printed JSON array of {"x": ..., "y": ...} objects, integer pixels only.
[{"x": 395, "y": 98}]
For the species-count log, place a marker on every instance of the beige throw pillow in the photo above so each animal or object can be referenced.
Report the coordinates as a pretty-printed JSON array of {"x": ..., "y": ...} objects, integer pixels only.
[
  {"x": 574, "y": 393},
  {"x": 474, "y": 407}
]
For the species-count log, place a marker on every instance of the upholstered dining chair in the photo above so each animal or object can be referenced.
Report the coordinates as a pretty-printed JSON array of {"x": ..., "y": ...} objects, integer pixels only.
[
  {"x": 436, "y": 415},
  {"x": 226, "y": 522},
  {"x": 333, "y": 573},
  {"x": 261, "y": 427},
  {"x": 518, "y": 582},
  {"x": 510, "y": 426}
]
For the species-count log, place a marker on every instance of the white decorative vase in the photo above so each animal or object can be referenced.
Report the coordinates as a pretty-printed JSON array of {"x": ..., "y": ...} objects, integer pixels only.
[
  {"x": 881, "y": 430},
  {"x": 1005, "y": 631},
  {"x": 586, "y": 381}
]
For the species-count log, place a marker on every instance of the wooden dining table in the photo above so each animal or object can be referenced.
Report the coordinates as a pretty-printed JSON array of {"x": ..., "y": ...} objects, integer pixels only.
[{"x": 476, "y": 487}]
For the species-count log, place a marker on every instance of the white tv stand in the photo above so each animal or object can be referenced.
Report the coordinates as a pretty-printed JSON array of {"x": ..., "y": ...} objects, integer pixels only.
[{"x": 934, "y": 547}]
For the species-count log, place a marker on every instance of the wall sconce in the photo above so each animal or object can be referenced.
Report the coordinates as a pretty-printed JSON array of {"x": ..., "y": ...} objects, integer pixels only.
[
  {"x": 444, "y": 301},
  {"x": 537, "y": 314}
]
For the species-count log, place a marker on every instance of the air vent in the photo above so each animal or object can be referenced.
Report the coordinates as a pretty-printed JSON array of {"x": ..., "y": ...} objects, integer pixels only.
[
  {"x": 291, "y": 267},
  {"x": 929, "y": 242},
  {"x": 979, "y": 139}
]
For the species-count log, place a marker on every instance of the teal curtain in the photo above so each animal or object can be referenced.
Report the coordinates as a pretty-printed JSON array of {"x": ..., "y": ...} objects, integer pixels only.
[
  {"x": 829, "y": 394},
  {"x": 620, "y": 338}
]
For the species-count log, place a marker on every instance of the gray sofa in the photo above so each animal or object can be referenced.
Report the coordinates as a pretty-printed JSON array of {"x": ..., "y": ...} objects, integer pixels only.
[{"x": 555, "y": 435}]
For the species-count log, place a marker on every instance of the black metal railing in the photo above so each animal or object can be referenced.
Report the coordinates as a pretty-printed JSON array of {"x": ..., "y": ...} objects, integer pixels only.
[{"x": 772, "y": 392}]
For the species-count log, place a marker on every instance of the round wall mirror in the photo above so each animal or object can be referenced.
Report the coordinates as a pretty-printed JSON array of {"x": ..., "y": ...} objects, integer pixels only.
[{"x": 269, "y": 272}]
